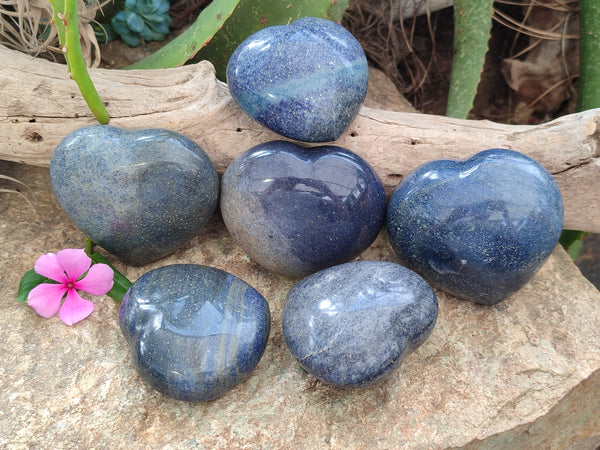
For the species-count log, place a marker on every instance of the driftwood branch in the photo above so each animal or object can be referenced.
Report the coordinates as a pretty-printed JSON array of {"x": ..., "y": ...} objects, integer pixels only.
[{"x": 40, "y": 105}]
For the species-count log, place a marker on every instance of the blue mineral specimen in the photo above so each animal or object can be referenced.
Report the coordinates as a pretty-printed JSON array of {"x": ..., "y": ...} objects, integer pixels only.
[
  {"x": 305, "y": 81},
  {"x": 297, "y": 210},
  {"x": 480, "y": 228},
  {"x": 195, "y": 332},
  {"x": 140, "y": 194},
  {"x": 352, "y": 325}
]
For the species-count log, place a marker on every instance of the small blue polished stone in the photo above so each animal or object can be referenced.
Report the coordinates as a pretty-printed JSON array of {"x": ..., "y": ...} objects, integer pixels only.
[
  {"x": 297, "y": 210},
  {"x": 195, "y": 332},
  {"x": 305, "y": 81},
  {"x": 352, "y": 325},
  {"x": 478, "y": 228},
  {"x": 140, "y": 194}
]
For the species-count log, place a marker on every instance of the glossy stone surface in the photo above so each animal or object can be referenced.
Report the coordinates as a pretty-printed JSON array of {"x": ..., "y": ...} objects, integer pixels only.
[
  {"x": 140, "y": 194},
  {"x": 478, "y": 228},
  {"x": 195, "y": 332},
  {"x": 305, "y": 81},
  {"x": 352, "y": 325},
  {"x": 296, "y": 210}
]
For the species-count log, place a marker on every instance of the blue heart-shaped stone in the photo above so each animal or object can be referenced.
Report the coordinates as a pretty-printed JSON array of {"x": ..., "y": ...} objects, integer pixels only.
[
  {"x": 194, "y": 332},
  {"x": 297, "y": 210},
  {"x": 352, "y": 325},
  {"x": 140, "y": 194},
  {"x": 478, "y": 228},
  {"x": 305, "y": 81}
]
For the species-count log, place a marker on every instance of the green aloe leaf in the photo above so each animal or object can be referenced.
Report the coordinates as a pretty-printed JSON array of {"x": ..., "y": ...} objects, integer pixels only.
[
  {"x": 472, "y": 25},
  {"x": 588, "y": 96},
  {"x": 589, "y": 55},
  {"x": 181, "y": 49},
  {"x": 223, "y": 24},
  {"x": 250, "y": 16},
  {"x": 30, "y": 280}
]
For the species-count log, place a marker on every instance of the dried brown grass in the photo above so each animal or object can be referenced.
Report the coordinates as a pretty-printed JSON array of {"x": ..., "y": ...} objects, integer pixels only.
[
  {"x": 396, "y": 47},
  {"x": 25, "y": 25}
]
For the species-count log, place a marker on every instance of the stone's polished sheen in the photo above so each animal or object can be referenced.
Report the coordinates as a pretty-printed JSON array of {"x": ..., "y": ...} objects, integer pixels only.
[
  {"x": 305, "y": 81},
  {"x": 352, "y": 325},
  {"x": 140, "y": 194},
  {"x": 478, "y": 228},
  {"x": 195, "y": 332},
  {"x": 296, "y": 210}
]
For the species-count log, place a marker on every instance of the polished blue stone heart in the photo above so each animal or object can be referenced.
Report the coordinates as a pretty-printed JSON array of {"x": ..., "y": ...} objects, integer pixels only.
[
  {"x": 352, "y": 325},
  {"x": 478, "y": 228},
  {"x": 195, "y": 332},
  {"x": 305, "y": 81},
  {"x": 296, "y": 210},
  {"x": 140, "y": 194}
]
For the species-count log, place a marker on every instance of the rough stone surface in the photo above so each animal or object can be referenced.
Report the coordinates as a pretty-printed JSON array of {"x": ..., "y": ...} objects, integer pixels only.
[
  {"x": 526, "y": 371},
  {"x": 351, "y": 325},
  {"x": 195, "y": 331}
]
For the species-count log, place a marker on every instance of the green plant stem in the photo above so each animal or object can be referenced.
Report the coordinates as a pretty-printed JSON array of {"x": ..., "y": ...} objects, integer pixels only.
[
  {"x": 589, "y": 55},
  {"x": 64, "y": 17},
  {"x": 89, "y": 246},
  {"x": 472, "y": 25}
]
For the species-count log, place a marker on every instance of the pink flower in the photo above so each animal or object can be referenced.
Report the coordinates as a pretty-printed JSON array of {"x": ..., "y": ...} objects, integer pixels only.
[{"x": 66, "y": 267}]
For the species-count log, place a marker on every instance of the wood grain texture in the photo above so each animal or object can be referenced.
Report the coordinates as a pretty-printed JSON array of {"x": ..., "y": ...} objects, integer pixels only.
[{"x": 40, "y": 105}]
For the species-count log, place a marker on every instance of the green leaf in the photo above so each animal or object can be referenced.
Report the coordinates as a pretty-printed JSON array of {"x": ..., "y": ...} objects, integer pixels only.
[
  {"x": 135, "y": 23},
  {"x": 181, "y": 49},
  {"x": 30, "y": 280},
  {"x": 121, "y": 283},
  {"x": 575, "y": 248},
  {"x": 250, "y": 16},
  {"x": 472, "y": 25},
  {"x": 571, "y": 241}
]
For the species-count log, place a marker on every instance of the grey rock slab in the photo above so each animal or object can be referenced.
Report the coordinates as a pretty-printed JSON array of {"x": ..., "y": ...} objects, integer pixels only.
[{"x": 525, "y": 371}]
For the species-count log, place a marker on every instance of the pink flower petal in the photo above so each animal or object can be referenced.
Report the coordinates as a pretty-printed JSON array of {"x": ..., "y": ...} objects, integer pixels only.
[
  {"x": 98, "y": 280},
  {"x": 48, "y": 266},
  {"x": 74, "y": 261},
  {"x": 75, "y": 308},
  {"x": 45, "y": 298}
]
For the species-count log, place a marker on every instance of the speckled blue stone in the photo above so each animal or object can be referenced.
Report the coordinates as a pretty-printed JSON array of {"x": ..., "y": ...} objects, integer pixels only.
[
  {"x": 478, "y": 228},
  {"x": 305, "y": 81},
  {"x": 140, "y": 194},
  {"x": 352, "y": 325},
  {"x": 296, "y": 210},
  {"x": 195, "y": 332}
]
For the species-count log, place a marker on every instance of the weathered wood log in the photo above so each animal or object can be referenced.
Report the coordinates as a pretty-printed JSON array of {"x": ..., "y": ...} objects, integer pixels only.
[{"x": 40, "y": 105}]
